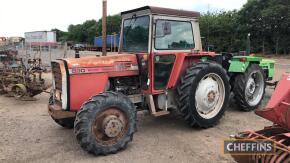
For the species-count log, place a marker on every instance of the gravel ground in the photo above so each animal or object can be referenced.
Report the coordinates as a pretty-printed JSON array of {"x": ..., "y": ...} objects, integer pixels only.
[{"x": 28, "y": 134}]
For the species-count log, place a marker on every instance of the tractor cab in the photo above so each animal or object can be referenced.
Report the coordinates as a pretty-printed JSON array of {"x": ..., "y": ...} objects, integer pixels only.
[
  {"x": 153, "y": 29},
  {"x": 157, "y": 35}
]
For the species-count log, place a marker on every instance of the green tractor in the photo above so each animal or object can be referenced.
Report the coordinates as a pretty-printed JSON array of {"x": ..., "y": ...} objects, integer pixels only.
[{"x": 250, "y": 74}]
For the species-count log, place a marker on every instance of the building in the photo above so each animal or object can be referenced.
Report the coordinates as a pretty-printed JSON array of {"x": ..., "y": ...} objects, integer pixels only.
[{"x": 40, "y": 39}]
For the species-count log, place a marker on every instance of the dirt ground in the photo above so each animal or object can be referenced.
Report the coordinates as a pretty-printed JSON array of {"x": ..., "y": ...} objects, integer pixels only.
[{"x": 28, "y": 134}]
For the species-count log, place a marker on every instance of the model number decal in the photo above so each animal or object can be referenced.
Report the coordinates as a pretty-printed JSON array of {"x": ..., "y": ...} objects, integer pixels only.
[
  {"x": 117, "y": 67},
  {"x": 78, "y": 70}
]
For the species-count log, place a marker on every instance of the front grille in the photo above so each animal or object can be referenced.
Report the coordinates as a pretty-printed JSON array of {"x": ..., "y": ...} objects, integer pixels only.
[{"x": 56, "y": 71}]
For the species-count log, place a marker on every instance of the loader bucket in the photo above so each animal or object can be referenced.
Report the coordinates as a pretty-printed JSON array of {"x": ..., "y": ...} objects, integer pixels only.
[{"x": 278, "y": 108}]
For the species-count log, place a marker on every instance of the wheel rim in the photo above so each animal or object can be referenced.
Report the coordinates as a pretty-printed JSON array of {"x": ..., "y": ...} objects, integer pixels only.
[
  {"x": 254, "y": 88},
  {"x": 18, "y": 92},
  {"x": 110, "y": 126},
  {"x": 209, "y": 96}
]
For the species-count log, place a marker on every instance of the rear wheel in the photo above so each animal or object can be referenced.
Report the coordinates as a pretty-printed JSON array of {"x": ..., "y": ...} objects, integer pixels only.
[
  {"x": 203, "y": 94},
  {"x": 106, "y": 123},
  {"x": 249, "y": 88}
]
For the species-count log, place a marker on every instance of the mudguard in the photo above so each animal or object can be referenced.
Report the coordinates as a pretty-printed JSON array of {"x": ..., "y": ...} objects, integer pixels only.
[{"x": 239, "y": 64}]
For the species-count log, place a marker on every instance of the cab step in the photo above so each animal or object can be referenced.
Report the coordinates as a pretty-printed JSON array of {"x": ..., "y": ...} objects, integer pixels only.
[{"x": 160, "y": 113}]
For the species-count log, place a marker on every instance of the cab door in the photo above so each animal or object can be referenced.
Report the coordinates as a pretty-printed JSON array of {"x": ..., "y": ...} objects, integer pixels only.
[
  {"x": 163, "y": 64},
  {"x": 171, "y": 37}
]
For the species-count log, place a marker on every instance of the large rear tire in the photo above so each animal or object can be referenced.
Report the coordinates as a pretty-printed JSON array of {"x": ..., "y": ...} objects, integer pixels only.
[
  {"x": 106, "y": 123},
  {"x": 203, "y": 94},
  {"x": 249, "y": 88}
]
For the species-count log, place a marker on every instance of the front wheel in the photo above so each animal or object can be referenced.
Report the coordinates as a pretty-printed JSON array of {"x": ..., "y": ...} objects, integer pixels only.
[
  {"x": 106, "y": 123},
  {"x": 203, "y": 94},
  {"x": 66, "y": 122},
  {"x": 249, "y": 88}
]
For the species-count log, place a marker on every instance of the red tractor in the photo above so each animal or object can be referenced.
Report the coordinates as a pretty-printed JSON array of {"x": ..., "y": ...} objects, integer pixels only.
[
  {"x": 160, "y": 67},
  {"x": 278, "y": 112}
]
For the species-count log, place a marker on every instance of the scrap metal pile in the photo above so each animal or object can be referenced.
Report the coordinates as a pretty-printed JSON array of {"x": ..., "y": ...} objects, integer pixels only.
[{"x": 20, "y": 80}]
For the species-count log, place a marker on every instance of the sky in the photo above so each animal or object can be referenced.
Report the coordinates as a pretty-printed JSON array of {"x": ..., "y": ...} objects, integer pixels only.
[{"x": 19, "y": 16}]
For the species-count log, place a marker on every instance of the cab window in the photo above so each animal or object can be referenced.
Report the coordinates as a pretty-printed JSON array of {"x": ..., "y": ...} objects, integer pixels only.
[
  {"x": 136, "y": 34},
  {"x": 173, "y": 35}
]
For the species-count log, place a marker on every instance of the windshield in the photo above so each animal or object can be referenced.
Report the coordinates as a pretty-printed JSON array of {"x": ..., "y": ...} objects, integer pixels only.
[{"x": 136, "y": 34}]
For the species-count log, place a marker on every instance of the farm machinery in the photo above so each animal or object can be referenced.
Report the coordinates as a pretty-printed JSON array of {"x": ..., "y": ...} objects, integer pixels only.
[
  {"x": 160, "y": 67},
  {"x": 20, "y": 80},
  {"x": 278, "y": 112}
]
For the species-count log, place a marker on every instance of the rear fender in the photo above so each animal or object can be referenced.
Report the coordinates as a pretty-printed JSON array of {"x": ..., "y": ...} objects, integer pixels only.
[{"x": 239, "y": 64}]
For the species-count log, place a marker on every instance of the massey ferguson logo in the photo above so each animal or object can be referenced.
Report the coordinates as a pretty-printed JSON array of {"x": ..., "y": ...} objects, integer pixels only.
[{"x": 78, "y": 70}]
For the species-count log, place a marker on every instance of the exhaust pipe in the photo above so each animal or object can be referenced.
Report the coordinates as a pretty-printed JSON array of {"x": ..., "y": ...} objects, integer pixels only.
[{"x": 104, "y": 29}]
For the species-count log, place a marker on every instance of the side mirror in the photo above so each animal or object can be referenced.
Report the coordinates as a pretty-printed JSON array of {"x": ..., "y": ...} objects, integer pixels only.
[{"x": 166, "y": 26}]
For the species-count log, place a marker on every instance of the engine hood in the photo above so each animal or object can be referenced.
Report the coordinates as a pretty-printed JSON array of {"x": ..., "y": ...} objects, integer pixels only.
[
  {"x": 111, "y": 63},
  {"x": 101, "y": 61}
]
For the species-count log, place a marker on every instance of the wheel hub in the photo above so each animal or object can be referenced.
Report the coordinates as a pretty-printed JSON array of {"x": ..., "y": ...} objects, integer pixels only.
[
  {"x": 254, "y": 88},
  {"x": 207, "y": 95},
  {"x": 112, "y": 126},
  {"x": 211, "y": 96},
  {"x": 251, "y": 86}
]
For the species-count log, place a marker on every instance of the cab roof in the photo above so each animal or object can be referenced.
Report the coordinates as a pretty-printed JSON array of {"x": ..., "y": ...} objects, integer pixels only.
[{"x": 165, "y": 11}]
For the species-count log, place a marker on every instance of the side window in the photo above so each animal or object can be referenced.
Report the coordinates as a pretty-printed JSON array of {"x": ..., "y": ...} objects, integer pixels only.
[
  {"x": 173, "y": 35},
  {"x": 163, "y": 65}
]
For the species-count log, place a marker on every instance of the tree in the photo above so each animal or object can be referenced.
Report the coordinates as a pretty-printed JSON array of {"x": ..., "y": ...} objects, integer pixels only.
[
  {"x": 85, "y": 32},
  {"x": 61, "y": 36},
  {"x": 268, "y": 21},
  {"x": 113, "y": 25},
  {"x": 221, "y": 30}
]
